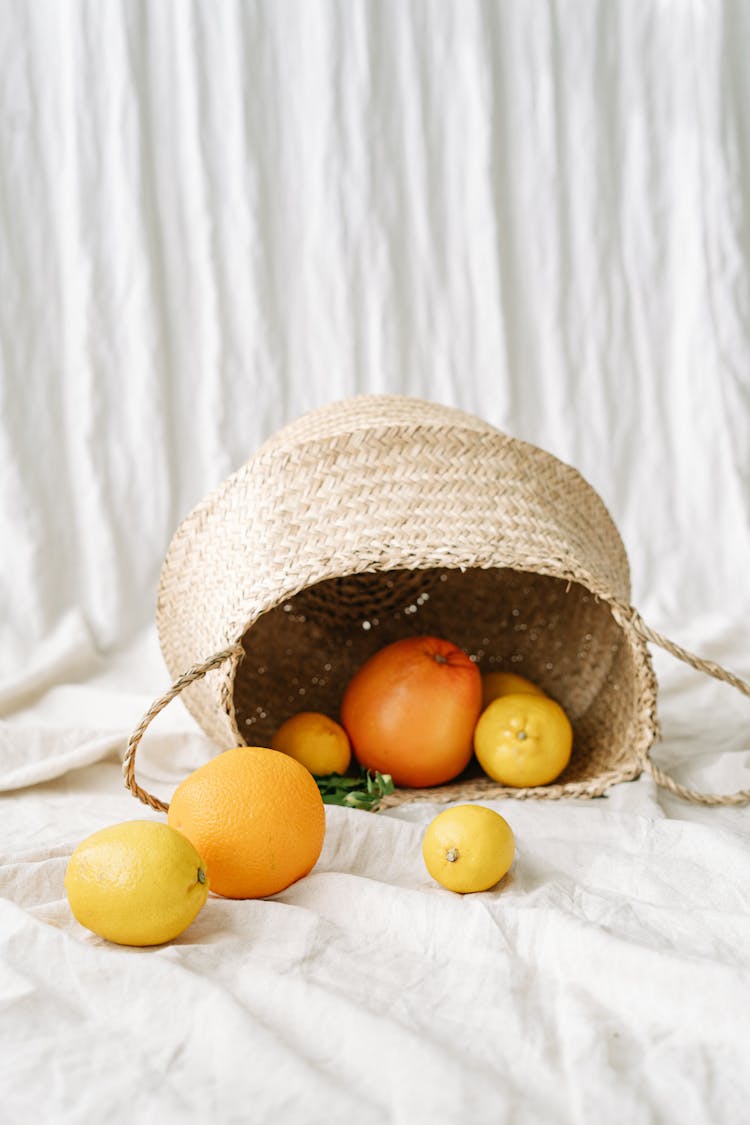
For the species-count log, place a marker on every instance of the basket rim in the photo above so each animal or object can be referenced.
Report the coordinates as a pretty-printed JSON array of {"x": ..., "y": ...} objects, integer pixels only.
[
  {"x": 646, "y": 734},
  {"x": 647, "y": 724}
]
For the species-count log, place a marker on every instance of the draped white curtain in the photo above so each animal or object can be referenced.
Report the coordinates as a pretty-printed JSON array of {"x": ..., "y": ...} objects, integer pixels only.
[{"x": 216, "y": 216}]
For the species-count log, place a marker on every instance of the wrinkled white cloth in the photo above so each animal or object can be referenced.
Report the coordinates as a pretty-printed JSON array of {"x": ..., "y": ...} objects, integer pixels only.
[
  {"x": 607, "y": 977},
  {"x": 215, "y": 217}
]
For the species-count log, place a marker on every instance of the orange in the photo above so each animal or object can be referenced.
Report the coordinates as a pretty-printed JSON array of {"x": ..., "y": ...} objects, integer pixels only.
[
  {"x": 495, "y": 684},
  {"x": 410, "y": 710},
  {"x": 256, "y": 817},
  {"x": 523, "y": 740},
  {"x": 319, "y": 743}
]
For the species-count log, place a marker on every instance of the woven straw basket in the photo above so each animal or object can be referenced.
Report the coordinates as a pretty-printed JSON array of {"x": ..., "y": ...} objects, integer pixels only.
[{"x": 380, "y": 517}]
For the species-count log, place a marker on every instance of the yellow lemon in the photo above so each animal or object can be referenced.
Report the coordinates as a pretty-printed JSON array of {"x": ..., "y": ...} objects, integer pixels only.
[
  {"x": 319, "y": 743},
  {"x": 468, "y": 848},
  {"x": 523, "y": 740},
  {"x": 137, "y": 883},
  {"x": 495, "y": 684}
]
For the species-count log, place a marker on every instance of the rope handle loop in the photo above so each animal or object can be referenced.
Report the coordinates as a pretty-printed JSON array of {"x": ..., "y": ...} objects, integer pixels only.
[
  {"x": 197, "y": 672},
  {"x": 711, "y": 668}
]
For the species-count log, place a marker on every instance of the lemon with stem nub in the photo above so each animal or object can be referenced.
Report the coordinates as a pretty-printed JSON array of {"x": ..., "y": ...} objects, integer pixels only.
[
  {"x": 137, "y": 883},
  {"x": 523, "y": 740},
  {"x": 468, "y": 848}
]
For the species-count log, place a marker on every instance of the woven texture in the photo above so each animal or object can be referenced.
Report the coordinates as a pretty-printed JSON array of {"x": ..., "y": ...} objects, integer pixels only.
[{"x": 383, "y": 516}]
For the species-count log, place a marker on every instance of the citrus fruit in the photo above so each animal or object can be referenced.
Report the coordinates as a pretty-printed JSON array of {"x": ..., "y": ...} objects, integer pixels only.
[
  {"x": 256, "y": 816},
  {"x": 495, "y": 684},
  {"x": 522, "y": 740},
  {"x": 319, "y": 743},
  {"x": 410, "y": 711},
  {"x": 137, "y": 883},
  {"x": 468, "y": 848}
]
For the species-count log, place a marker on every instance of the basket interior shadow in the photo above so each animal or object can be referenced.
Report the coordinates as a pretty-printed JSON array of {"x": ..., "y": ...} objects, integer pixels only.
[{"x": 301, "y": 654}]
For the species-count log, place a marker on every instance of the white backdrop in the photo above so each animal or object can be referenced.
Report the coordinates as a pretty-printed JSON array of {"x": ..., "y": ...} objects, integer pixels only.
[{"x": 215, "y": 216}]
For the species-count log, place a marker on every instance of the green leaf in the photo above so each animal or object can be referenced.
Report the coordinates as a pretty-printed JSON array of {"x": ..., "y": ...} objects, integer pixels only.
[{"x": 362, "y": 792}]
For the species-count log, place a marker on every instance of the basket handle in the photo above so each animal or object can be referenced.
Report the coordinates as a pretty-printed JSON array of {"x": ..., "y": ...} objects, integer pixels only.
[
  {"x": 742, "y": 797},
  {"x": 195, "y": 673}
]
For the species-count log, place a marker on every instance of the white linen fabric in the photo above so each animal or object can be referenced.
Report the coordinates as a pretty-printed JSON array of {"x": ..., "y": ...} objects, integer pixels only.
[{"x": 214, "y": 217}]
